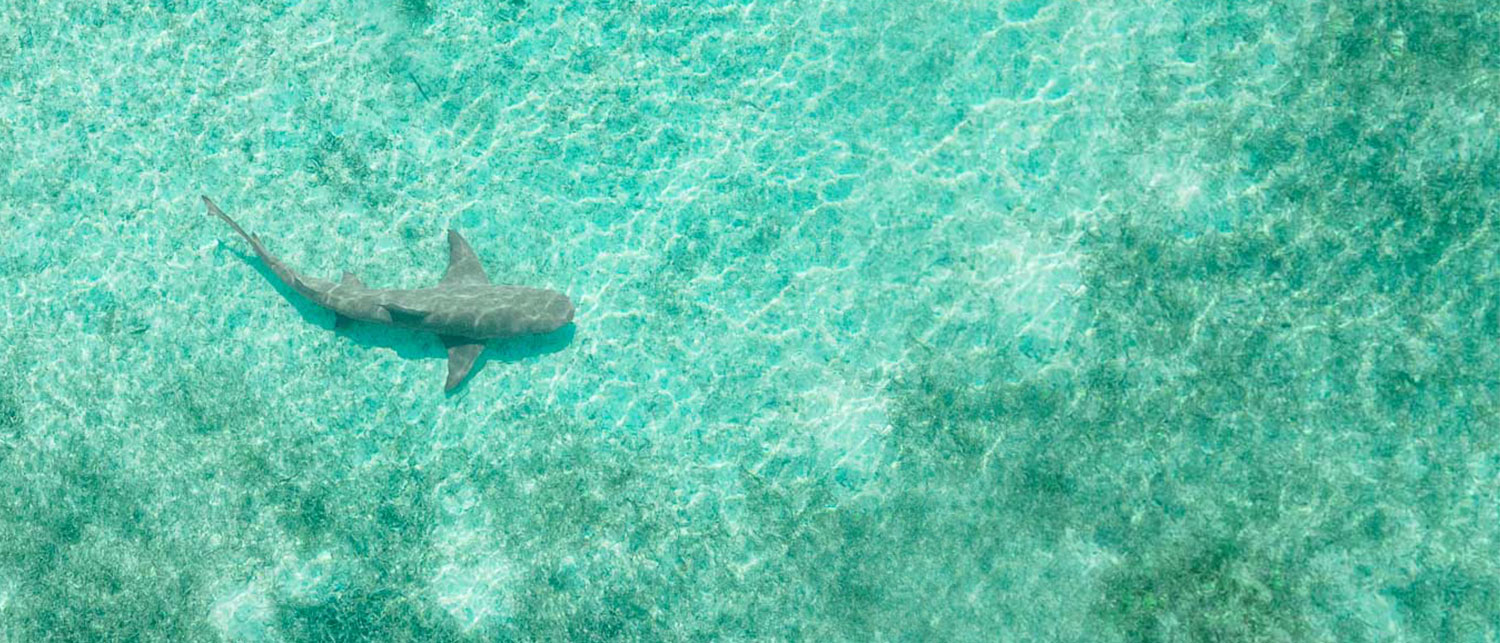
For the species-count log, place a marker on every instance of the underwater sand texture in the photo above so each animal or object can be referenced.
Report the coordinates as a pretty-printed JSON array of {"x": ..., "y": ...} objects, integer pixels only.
[{"x": 945, "y": 321}]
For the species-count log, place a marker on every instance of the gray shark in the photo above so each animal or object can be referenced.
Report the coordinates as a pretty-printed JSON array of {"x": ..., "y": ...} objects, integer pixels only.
[{"x": 464, "y": 309}]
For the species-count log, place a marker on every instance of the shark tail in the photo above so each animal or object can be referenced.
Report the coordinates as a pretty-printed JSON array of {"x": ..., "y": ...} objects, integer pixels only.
[
  {"x": 287, "y": 275},
  {"x": 254, "y": 241},
  {"x": 214, "y": 210}
]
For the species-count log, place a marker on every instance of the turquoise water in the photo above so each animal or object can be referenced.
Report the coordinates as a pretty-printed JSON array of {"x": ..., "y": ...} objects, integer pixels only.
[{"x": 939, "y": 321}]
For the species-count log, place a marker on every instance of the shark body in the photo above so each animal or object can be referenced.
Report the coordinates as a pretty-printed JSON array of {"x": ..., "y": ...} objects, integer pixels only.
[{"x": 464, "y": 309}]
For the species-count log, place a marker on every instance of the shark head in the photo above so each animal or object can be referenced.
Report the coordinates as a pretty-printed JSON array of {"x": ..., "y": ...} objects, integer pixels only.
[
  {"x": 480, "y": 311},
  {"x": 505, "y": 311}
]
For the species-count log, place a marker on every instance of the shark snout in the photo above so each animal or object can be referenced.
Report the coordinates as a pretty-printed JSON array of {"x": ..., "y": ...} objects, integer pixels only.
[
  {"x": 562, "y": 311},
  {"x": 553, "y": 311}
]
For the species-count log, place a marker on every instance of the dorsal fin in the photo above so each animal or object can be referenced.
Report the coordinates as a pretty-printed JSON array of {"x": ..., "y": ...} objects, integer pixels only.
[
  {"x": 463, "y": 264},
  {"x": 351, "y": 280}
]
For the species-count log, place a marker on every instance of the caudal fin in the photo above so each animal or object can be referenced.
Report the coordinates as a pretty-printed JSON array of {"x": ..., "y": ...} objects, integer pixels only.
[
  {"x": 214, "y": 210},
  {"x": 287, "y": 275}
]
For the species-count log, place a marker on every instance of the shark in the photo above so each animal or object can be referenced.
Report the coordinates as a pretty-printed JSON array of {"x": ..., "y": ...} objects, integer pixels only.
[{"x": 464, "y": 309}]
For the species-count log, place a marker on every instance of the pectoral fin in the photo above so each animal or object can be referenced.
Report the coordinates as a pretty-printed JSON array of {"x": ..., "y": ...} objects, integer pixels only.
[
  {"x": 403, "y": 315},
  {"x": 463, "y": 353}
]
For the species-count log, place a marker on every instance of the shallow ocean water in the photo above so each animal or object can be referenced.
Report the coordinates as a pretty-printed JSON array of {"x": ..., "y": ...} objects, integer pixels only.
[{"x": 955, "y": 320}]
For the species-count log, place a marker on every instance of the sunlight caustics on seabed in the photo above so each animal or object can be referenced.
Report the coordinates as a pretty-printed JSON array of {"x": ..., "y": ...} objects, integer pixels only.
[{"x": 949, "y": 321}]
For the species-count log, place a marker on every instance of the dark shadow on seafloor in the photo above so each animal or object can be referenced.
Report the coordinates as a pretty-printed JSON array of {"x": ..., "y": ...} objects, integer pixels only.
[{"x": 411, "y": 344}]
